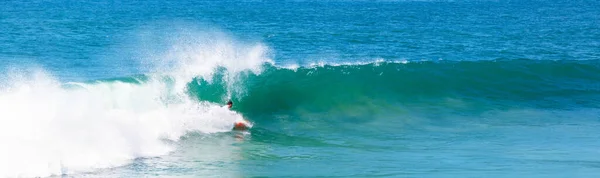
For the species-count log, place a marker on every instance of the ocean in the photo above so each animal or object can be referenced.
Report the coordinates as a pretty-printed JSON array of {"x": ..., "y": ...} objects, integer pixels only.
[{"x": 333, "y": 88}]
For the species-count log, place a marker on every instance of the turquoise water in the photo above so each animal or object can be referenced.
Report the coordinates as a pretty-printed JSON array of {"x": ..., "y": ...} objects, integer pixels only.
[{"x": 333, "y": 88}]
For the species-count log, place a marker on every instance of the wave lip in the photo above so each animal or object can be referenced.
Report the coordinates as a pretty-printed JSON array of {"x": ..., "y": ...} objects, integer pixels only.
[{"x": 325, "y": 87}]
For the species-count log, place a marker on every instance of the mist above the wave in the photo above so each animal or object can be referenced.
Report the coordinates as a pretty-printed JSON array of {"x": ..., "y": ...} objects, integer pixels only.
[{"x": 185, "y": 51}]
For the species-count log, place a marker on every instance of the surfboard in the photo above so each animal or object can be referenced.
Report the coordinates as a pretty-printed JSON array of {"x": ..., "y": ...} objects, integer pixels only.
[{"x": 242, "y": 125}]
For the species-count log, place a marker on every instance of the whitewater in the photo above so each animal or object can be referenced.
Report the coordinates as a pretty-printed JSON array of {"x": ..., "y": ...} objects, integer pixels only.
[{"x": 53, "y": 128}]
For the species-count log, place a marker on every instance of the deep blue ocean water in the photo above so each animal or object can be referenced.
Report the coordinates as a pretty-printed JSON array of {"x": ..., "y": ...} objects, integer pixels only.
[{"x": 333, "y": 88}]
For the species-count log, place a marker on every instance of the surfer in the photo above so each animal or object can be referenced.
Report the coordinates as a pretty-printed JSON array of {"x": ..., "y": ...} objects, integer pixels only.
[
  {"x": 229, "y": 104},
  {"x": 238, "y": 125}
]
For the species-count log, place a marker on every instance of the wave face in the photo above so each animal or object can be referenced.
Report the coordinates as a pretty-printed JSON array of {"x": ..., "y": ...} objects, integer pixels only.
[{"x": 379, "y": 87}]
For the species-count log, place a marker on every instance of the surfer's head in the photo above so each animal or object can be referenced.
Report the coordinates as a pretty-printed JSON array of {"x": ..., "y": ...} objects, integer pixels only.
[{"x": 229, "y": 104}]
